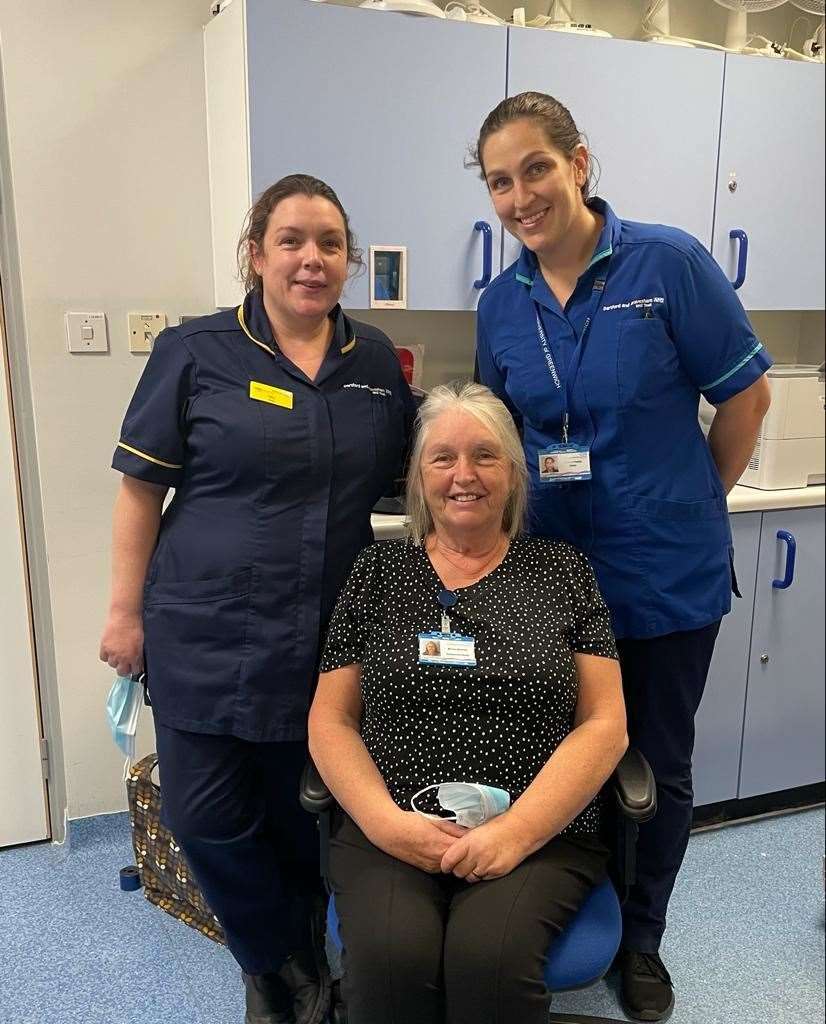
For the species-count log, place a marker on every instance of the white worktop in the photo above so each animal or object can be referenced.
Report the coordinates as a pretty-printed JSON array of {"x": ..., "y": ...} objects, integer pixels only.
[{"x": 741, "y": 499}]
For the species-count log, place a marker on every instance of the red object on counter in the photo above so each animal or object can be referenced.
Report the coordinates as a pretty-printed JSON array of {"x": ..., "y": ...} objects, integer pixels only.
[{"x": 407, "y": 360}]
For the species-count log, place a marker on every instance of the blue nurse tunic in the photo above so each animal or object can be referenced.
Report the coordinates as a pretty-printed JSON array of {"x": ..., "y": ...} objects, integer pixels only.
[
  {"x": 652, "y": 324},
  {"x": 274, "y": 478}
]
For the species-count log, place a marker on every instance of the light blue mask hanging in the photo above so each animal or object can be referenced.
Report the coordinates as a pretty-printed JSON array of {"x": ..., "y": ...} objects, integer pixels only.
[
  {"x": 123, "y": 708},
  {"x": 472, "y": 803}
]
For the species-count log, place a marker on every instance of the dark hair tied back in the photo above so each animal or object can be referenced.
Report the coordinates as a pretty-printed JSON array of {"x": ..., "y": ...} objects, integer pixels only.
[
  {"x": 552, "y": 116},
  {"x": 255, "y": 224}
]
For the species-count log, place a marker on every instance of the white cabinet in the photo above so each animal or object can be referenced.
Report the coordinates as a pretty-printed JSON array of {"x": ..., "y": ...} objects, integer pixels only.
[
  {"x": 770, "y": 181},
  {"x": 382, "y": 108}
]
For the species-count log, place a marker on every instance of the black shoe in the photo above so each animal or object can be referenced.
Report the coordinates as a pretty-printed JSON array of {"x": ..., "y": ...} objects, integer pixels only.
[
  {"x": 646, "y": 992},
  {"x": 309, "y": 987},
  {"x": 269, "y": 1000}
]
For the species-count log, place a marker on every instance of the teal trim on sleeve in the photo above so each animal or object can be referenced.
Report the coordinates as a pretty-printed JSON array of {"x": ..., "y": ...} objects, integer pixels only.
[
  {"x": 734, "y": 369},
  {"x": 524, "y": 280}
]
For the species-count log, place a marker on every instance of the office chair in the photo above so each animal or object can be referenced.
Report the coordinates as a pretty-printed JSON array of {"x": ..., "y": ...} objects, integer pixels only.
[{"x": 588, "y": 945}]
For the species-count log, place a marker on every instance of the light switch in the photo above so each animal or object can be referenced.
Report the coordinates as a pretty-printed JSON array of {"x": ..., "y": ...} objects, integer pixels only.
[
  {"x": 143, "y": 329},
  {"x": 86, "y": 332}
]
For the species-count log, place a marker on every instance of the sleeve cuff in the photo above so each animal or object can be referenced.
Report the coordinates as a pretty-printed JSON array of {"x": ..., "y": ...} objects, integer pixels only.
[
  {"x": 133, "y": 461},
  {"x": 739, "y": 376}
]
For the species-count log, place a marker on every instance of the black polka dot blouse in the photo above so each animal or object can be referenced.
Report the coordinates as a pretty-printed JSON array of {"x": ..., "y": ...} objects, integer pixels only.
[{"x": 498, "y": 722}]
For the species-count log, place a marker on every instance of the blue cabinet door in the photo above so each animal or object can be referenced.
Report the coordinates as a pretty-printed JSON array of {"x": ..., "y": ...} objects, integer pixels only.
[
  {"x": 383, "y": 107},
  {"x": 783, "y": 738},
  {"x": 650, "y": 115},
  {"x": 771, "y": 146},
  {"x": 720, "y": 718}
]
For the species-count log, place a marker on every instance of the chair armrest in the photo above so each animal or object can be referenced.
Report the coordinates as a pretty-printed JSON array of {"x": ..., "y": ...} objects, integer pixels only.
[
  {"x": 634, "y": 787},
  {"x": 314, "y": 795}
]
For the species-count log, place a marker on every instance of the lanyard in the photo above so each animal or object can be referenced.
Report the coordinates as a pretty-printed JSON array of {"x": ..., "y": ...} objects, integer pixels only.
[{"x": 572, "y": 371}]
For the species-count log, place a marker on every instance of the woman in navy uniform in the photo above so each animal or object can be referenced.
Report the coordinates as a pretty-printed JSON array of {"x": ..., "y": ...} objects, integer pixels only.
[
  {"x": 601, "y": 339},
  {"x": 278, "y": 425}
]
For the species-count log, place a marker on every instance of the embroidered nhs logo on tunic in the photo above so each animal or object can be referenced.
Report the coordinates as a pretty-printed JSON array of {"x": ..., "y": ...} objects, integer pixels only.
[{"x": 381, "y": 392}]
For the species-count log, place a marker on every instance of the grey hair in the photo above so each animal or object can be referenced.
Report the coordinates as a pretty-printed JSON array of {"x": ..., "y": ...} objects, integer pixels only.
[{"x": 480, "y": 402}]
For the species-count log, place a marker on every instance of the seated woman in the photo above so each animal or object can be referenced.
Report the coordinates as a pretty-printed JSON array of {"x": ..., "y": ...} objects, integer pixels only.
[{"x": 451, "y": 920}]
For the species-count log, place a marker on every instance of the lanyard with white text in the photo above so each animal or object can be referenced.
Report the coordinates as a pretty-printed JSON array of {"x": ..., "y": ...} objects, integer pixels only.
[{"x": 574, "y": 365}]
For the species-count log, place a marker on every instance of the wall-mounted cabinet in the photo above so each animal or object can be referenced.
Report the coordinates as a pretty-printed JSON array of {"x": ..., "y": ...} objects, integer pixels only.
[
  {"x": 650, "y": 115},
  {"x": 384, "y": 108},
  {"x": 771, "y": 181}
]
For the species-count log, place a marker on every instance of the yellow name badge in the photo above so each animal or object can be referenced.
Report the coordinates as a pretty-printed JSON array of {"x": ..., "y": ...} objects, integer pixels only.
[{"x": 275, "y": 396}]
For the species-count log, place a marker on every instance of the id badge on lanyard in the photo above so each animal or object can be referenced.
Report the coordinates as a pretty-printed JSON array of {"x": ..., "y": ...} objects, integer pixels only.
[
  {"x": 567, "y": 461},
  {"x": 446, "y": 647}
]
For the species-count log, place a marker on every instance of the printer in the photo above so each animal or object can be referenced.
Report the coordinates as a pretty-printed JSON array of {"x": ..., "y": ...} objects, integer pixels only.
[{"x": 790, "y": 446}]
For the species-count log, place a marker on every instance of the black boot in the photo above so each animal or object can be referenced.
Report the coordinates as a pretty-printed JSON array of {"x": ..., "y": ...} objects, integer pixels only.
[
  {"x": 269, "y": 999},
  {"x": 306, "y": 972}
]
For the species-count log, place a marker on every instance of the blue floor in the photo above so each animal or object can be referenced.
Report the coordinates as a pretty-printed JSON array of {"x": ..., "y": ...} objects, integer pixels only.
[{"x": 744, "y": 944}]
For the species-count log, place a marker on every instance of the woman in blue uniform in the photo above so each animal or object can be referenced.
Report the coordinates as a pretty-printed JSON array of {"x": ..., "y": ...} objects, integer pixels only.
[
  {"x": 278, "y": 425},
  {"x": 601, "y": 339}
]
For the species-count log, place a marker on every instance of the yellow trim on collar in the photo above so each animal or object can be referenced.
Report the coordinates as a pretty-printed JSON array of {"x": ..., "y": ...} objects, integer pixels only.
[
  {"x": 252, "y": 338},
  {"x": 240, "y": 313},
  {"x": 149, "y": 458}
]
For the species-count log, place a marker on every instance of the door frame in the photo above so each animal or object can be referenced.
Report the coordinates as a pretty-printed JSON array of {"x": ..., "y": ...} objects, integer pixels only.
[{"x": 28, "y": 477}]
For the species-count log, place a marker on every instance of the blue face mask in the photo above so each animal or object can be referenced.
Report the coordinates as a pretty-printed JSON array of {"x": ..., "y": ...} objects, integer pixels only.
[
  {"x": 472, "y": 803},
  {"x": 123, "y": 708}
]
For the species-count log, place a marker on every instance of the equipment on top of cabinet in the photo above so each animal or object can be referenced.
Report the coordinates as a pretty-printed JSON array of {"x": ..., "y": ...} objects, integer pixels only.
[
  {"x": 814, "y": 45},
  {"x": 738, "y": 39},
  {"x": 468, "y": 10},
  {"x": 656, "y": 27},
  {"x": 559, "y": 19},
  {"x": 789, "y": 450},
  {"x": 426, "y": 7}
]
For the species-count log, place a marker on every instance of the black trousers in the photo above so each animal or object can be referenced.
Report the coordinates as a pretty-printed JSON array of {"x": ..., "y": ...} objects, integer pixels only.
[
  {"x": 663, "y": 679},
  {"x": 432, "y": 949},
  {"x": 233, "y": 808}
]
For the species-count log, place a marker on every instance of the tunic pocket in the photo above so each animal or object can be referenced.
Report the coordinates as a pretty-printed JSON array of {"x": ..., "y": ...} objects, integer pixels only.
[
  {"x": 195, "y": 637},
  {"x": 647, "y": 362}
]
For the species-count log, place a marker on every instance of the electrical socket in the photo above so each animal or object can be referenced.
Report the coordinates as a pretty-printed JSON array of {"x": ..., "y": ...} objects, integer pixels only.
[{"x": 143, "y": 329}]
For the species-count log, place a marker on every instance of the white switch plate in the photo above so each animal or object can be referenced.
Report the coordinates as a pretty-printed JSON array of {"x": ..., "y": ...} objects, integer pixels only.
[
  {"x": 143, "y": 329},
  {"x": 86, "y": 332}
]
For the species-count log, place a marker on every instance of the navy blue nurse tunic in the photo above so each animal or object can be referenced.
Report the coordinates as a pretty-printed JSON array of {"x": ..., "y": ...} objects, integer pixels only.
[
  {"x": 274, "y": 477},
  {"x": 652, "y": 324}
]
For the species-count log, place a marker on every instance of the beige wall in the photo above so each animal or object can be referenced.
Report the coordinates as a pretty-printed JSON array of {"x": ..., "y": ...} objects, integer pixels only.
[{"x": 107, "y": 139}]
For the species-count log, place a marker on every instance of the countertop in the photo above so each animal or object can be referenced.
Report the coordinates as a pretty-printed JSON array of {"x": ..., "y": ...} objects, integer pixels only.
[{"x": 741, "y": 499}]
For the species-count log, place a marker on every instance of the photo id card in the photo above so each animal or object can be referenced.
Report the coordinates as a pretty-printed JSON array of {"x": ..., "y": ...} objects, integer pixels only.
[
  {"x": 446, "y": 649},
  {"x": 562, "y": 463}
]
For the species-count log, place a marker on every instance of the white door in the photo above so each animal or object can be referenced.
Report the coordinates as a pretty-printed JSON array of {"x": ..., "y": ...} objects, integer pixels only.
[{"x": 23, "y": 815}]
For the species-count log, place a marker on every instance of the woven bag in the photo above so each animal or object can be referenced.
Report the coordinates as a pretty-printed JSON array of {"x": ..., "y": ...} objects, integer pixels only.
[{"x": 164, "y": 874}]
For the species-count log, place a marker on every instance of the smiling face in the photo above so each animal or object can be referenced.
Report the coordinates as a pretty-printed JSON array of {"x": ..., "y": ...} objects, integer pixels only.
[
  {"x": 466, "y": 478},
  {"x": 302, "y": 259},
  {"x": 534, "y": 186}
]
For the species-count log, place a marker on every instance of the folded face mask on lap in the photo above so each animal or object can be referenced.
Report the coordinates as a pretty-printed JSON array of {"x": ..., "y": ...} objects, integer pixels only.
[
  {"x": 123, "y": 708},
  {"x": 472, "y": 803}
]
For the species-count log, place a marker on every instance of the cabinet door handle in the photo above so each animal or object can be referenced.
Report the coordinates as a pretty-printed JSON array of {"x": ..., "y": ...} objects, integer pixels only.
[
  {"x": 487, "y": 254},
  {"x": 791, "y": 551},
  {"x": 742, "y": 256}
]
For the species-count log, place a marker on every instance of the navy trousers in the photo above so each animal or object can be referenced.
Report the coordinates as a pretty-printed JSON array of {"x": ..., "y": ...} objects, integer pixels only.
[
  {"x": 663, "y": 679},
  {"x": 233, "y": 808}
]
